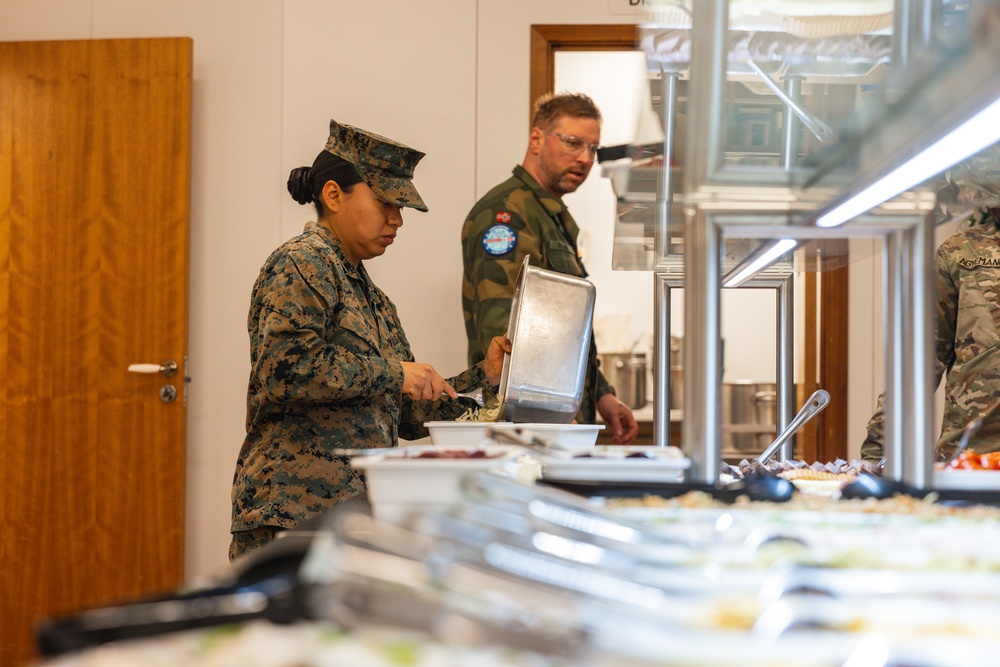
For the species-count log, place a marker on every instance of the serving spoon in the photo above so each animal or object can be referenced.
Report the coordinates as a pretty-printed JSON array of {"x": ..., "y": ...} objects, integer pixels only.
[{"x": 819, "y": 400}]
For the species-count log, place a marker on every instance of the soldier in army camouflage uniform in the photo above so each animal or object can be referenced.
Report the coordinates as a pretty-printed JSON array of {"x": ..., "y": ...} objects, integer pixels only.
[
  {"x": 525, "y": 216},
  {"x": 967, "y": 338},
  {"x": 330, "y": 364}
]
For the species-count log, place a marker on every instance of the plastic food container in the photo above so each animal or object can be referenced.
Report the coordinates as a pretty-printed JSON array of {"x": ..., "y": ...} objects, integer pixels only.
[
  {"x": 550, "y": 324},
  {"x": 420, "y": 476},
  {"x": 617, "y": 463},
  {"x": 461, "y": 434},
  {"x": 952, "y": 478},
  {"x": 565, "y": 436}
]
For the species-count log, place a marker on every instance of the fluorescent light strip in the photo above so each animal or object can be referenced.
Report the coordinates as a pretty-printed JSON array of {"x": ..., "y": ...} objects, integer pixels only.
[
  {"x": 967, "y": 139},
  {"x": 759, "y": 264}
]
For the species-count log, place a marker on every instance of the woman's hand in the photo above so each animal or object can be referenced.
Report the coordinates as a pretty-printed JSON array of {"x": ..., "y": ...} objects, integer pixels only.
[
  {"x": 422, "y": 383},
  {"x": 619, "y": 418},
  {"x": 493, "y": 364}
]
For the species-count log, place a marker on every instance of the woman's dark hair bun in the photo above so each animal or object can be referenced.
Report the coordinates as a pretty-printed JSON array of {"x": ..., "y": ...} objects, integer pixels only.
[{"x": 300, "y": 185}]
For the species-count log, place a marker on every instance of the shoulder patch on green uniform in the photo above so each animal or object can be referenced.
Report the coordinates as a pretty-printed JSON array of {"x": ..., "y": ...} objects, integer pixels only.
[{"x": 500, "y": 239}]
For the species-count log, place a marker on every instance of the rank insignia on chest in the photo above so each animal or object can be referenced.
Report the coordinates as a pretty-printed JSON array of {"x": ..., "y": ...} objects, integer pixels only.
[{"x": 499, "y": 239}]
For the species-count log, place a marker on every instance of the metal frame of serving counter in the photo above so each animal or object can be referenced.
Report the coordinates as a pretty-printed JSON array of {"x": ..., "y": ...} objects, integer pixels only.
[
  {"x": 719, "y": 204},
  {"x": 668, "y": 274}
]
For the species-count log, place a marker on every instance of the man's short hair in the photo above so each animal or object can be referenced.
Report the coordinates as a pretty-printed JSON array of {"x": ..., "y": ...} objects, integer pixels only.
[{"x": 550, "y": 107}]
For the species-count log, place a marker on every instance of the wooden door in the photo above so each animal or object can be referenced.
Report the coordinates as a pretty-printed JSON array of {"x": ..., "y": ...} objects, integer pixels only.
[{"x": 94, "y": 205}]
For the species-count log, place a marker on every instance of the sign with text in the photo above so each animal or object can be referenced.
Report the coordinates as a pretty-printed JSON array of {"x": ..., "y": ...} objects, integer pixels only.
[{"x": 636, "y": 7}]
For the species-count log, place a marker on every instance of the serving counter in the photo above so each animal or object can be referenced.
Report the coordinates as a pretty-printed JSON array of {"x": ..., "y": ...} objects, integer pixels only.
[
  {"x": 520, "y": 572},
  {"x": 779, "y": 148}
]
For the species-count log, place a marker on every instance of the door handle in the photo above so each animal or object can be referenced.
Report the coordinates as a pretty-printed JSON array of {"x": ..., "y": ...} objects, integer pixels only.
[{"x": 168, "y": 368}]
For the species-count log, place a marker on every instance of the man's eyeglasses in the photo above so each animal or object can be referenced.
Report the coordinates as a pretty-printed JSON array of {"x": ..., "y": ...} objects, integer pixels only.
[{"x": 575, "y": 146}]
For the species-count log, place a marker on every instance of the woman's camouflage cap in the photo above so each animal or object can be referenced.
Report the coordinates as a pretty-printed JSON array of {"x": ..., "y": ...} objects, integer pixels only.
[{"x": 385, "y": 165}]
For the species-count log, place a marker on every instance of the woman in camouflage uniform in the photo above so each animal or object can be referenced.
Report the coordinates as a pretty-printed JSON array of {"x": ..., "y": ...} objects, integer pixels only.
[
  {"x": 331, "y": 366},
  {"x": 967, "y": 338}
]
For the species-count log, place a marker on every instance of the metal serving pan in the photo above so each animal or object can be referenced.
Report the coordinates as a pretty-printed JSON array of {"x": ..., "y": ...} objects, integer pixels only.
[{"x": 551, "y": 316}]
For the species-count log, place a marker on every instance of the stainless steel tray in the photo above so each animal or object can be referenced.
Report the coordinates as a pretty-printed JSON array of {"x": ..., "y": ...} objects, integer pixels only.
[{"x": 550, "y": 323}]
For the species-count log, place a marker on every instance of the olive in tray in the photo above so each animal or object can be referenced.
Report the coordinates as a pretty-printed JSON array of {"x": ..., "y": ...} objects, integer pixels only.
[
  {"x": 618, "y": 452},
  {"x": 630, "y": 455},
  {"x": 453, "y": 454}
]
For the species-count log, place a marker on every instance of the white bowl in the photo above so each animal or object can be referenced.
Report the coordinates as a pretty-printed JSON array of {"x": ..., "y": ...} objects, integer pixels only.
[
  {"x": 565, "y": 436},
  {"x": 460, "y": 434},
  {"x": 399, "y": 482}
]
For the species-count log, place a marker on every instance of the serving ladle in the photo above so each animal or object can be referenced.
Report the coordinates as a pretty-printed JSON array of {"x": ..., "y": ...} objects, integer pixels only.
[
  {"x": 769, "y": 488},
  {"x": 868, "y": 485}
]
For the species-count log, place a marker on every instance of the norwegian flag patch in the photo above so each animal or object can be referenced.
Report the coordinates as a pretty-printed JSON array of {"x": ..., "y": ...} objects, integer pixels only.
[{"x": 503, "y": 216}]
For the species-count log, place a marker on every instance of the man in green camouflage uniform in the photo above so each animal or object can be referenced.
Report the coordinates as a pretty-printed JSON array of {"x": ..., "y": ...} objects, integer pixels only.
[
  {"x": 328, "y": 354},
  {"x": 525, "y": 216},
  {"x": 966, "y": 339}
]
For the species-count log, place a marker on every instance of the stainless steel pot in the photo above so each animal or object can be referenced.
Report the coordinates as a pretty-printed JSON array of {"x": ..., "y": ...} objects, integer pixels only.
[
  {"x": 626, "y": 371},
  {"x": 749, "y": 417}
]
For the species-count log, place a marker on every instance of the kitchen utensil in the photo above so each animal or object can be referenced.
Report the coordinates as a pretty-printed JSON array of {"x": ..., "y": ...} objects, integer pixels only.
[
  {"x": 476, "y": 395},
  {"x": 819, "y": 400},
  {"x": 550, "y": 325},
  {"x": 749, "y": 417},
  {"x": 521, "y": 438},
  {"x": 867, "y": 485},
  {"x": 968, "y": 432},
  {"x": 770, "y": 488},
  {"x": 819, "y": 129},
  {"x": 626, "y": 371}
]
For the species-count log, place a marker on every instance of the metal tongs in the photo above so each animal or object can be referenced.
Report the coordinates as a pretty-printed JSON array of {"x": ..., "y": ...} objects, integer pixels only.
[
  {"x": 968, "y": 432},
  {"x": 819, "y": 400},
  {"x": 522, "y": 439}
]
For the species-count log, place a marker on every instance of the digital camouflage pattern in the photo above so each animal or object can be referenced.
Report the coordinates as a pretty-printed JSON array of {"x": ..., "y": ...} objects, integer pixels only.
[
  {"x": 973, "y": 183},
  {"x": 326, "y": 347},
  {"x": 385, "y": 165},
  {"x": 967, "y": 339},
  {"x": 245, "y": 541},
  {"x": 547, "y": 233}
]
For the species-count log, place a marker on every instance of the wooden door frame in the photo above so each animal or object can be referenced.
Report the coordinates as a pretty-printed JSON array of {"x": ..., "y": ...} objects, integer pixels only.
[{"x": 826, "y": 298}]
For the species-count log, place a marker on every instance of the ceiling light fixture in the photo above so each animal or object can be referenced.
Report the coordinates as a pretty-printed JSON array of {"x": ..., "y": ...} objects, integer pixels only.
[{"x": 764, "y": 260}]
